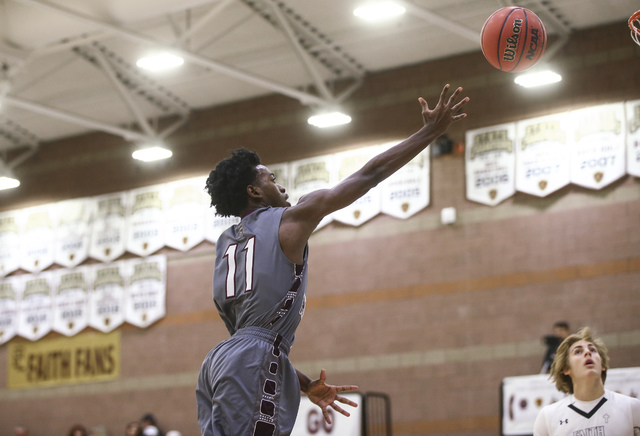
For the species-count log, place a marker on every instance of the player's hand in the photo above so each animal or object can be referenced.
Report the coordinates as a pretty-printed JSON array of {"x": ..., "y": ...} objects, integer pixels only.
[
  {"x": 445, "y": 112},
  {"x": 324, "y": 395}
]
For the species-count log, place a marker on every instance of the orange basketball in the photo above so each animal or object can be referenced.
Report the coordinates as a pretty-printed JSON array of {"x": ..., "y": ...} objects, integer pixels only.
[{"x": 513, "y": 39}]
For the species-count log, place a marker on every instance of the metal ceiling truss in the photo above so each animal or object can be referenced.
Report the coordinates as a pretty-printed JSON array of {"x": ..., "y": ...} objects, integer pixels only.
[
  {"x": 439, "y": 20},
  {"x": 18, "y": 143},
  {"x": 311, "y": 46},
  {"x": 190, "y": 56},
  {"x": 318, "y": 45},
  {"x": 129, "y": 81}
]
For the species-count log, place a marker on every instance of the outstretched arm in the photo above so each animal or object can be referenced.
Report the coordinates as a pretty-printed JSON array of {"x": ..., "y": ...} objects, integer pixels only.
[
  {"x": 324, "y": 395},
  {"x": 299, "y": 221}
]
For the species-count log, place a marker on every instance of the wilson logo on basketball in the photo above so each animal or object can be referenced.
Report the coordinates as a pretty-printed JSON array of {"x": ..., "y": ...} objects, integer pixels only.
[{"x": 512, "y": 42}]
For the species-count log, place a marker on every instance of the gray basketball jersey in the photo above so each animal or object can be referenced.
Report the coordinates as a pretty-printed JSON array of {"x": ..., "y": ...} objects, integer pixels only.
[
  {"x": 247, "y": 385},
  {"x": 254, "y": 284}
]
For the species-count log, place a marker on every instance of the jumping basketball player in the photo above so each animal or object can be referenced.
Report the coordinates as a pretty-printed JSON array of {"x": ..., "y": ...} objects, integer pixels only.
[
  {"x": 580, "y": 369},
  {"x": 247, "y": 385}
]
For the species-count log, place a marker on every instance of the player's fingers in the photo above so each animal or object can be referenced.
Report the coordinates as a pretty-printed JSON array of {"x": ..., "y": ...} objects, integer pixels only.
[
  {"x": 443, "y": 94},
  {"x": 461, "y": 103},
  {"x": 346, "y": 401},
  {"x": 455, "y": 95},
  {"x": 326, "y": 415},
  {"x": 347, "y": 388},
  {"x": 323, "y": 375},
  {"x": 340, "y": 410}
]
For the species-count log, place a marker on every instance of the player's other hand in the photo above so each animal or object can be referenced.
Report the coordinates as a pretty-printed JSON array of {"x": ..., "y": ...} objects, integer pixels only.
[{"x": 324, "y": 395}]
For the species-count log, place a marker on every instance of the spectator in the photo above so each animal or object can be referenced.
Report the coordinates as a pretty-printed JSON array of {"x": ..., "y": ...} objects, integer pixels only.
[
  {"x": 134, "y": 428},
  {"x": 150, "y": 430},
  {"x": 560, "y": 332},
  {"x": 78, "y": 430},
  {"x": 99, "y": 430},
  {"x": 150, "y": 426}
]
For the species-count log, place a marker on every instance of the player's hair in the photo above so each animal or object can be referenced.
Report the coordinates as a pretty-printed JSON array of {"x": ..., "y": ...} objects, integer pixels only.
[
  {"x": 227, "y": 183},
  {"x": 561, "y": 362}
]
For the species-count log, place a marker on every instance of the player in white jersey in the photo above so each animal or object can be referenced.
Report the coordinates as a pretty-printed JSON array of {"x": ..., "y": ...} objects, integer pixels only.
[
  {"x": 247, "y": 385},
  {"x": 580, "y": 370}
]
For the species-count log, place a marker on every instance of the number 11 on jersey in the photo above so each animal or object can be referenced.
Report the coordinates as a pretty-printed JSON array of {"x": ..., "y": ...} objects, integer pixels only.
[{"x": 232, "y": 266}]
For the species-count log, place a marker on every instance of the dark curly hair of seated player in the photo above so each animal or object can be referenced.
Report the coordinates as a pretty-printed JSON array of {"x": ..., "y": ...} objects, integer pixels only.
[{"x": 227, "y": 183}]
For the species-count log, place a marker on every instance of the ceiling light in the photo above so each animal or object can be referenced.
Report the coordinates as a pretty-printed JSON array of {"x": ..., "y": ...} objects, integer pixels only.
[
  {"x": 537, "y": 79},
  {"x": 329, "y": 119},
  {"x": 7, "y": 178},
  {"x": 8, "y": 183},
  {"x": 379, "y": 11},
  {"x": 152, "y": 153},
  {"x": 162, "y": 61}
]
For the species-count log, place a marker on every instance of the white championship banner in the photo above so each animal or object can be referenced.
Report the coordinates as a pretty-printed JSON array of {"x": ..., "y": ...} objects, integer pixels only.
[
  {"x": 216, "y": 224},
  {"x": 36, "y": 306},
  {"x": 108, "y": 233},
  {"x": 73, "y": 231},
  {"x": 599, "y": 152},
  {"x": 307, "y": 175},
  {"x": 9, "y": 242},
  {"x": 632, "y": 109},
  {"x": 10, "y": 292},
  {"x": 543, "y": 154},
  {"x": 146, "y": 220},
  {"x": 524, "y": 396},
  {"x": 145, "y": 299},
  {"x": 186, "y": 213},
  {"x": 71, "y": 300},
  {"x": 310, "y": 421},
  {"x": 406, "y": 192},
  {"x": 490, "y": 164},
  {"x": 370, "y": 204},
  {"x": 106, "y": 301},
  {"x": 38, "y": 238}
]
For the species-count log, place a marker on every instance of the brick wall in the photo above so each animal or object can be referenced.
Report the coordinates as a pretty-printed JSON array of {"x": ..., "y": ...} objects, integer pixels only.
[{"x": 433, "y": 316}]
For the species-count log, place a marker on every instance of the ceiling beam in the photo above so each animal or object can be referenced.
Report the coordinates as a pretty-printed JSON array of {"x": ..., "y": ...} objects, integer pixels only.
[
  {"x": 194, "y": 58},
  {"x": 440, "y": 21},
  {"x": 123, "y": 91},
  {"x": 302, "y": 54},
  {"x": 59, "y": 114},
  {"x": 213, "y": 12}
]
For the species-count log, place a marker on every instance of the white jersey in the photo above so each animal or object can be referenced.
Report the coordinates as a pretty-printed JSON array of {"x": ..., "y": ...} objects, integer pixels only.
[{"x": 612, "y": 414}]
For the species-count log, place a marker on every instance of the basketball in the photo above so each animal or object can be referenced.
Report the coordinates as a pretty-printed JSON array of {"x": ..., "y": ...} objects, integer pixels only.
[{"x": 513, "y": 39}]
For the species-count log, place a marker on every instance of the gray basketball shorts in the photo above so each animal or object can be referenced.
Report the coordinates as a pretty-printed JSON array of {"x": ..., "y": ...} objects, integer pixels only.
[{"x": 247, "y": 386}]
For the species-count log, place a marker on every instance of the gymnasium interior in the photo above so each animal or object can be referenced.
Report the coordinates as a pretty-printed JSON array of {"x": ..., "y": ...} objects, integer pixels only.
[{"x": 431, "y": 312}]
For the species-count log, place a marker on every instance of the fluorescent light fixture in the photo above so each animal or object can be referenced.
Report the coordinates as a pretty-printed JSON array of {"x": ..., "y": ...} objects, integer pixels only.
[
  {"x": 379, "y": 11},
  {"x": 8, "y": 182},
  {"x": 152, "y": 153},
  {"x": 159, "y": 62},
  {"x": 540, "y": 78},
  {"x": 329, "y": 119},
  {"x": 7, "y": 178}
]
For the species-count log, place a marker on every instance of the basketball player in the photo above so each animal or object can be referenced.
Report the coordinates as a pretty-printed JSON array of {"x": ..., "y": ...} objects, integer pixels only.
[
  {"x": 580, "y": 369},
  {"x": 247, "y": 385}
]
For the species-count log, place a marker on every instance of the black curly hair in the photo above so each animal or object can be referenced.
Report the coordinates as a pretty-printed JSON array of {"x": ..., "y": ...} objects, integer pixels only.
[{"x": 227, "y": 183}]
